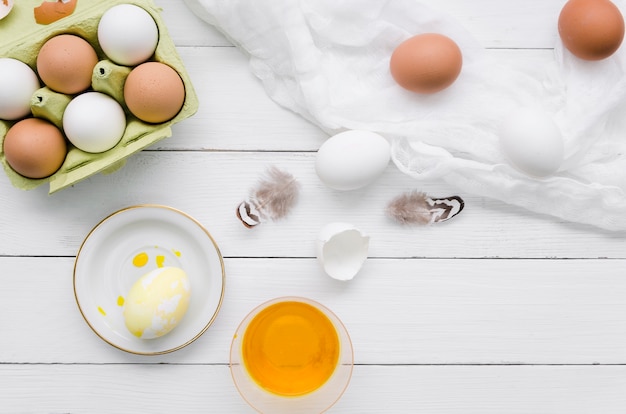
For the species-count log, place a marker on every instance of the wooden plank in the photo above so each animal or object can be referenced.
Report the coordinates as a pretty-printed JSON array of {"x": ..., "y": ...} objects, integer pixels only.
[
  {"x": 506, "y": 24},
  {"x": 498, "y": 311},
  {"x": 210, "y": 185},
  {"x": 185, "y": 28},
  {"x": 397, "y": 311},
  {"x": 373, "y": 389},
  {"x": 494, "y": 23},
  {"x": 235, "y": 113}
]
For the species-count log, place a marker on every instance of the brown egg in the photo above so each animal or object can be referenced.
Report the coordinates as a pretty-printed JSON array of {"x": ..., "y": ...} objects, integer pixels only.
[
  {"x": 65, "y": 63},
  {"x": 426, "y": 63},
  {"x": 591, "y": 29},
  {"x": 154, "y": 92},
  {"x": 34, "y": 148}
]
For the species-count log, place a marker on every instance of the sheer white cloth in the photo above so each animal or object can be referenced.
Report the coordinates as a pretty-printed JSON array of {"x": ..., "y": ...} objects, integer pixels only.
[{"x": 328, "y": 60}]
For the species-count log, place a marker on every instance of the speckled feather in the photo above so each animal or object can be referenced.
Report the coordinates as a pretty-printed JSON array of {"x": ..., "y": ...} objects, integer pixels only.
[
  {"x": 272, "y": 199},
  {"x": 417, "y": 208}
]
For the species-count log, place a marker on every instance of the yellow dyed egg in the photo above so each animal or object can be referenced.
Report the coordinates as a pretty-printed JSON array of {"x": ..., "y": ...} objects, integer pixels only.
[{"x": 157, "y": 302}]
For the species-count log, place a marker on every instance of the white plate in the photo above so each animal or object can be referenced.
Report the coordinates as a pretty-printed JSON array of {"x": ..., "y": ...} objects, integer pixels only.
[{"x": 104, "y": 272}]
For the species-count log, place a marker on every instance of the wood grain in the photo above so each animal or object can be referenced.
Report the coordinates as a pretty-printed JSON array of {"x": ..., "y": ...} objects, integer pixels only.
[
  {"x": 373, "y": 389},
  {"x": 498, "y": 311},
  {"x": 210, "y": 185},
  {"x": 398, "y": 311}
]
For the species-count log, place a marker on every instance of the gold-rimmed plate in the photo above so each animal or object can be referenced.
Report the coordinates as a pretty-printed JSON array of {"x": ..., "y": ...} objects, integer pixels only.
[{"x": 128, "y": 244}]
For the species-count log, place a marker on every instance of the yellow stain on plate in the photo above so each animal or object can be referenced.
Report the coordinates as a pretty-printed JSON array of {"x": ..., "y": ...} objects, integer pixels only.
[
  {"x": 140, "y": 259},
  {"x": 159, "y": 260},
  {"x": 176, "y": 252},
  {"x": 120, "y": 301},
  {"x": 102, "y": 311}
]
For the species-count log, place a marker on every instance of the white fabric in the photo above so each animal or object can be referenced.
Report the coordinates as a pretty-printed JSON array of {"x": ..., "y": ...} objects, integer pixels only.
[{"x": 328, "y": 60}]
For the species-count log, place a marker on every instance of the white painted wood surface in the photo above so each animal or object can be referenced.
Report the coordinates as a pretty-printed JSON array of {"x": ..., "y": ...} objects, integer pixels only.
[{"x": 499, "y": 311}]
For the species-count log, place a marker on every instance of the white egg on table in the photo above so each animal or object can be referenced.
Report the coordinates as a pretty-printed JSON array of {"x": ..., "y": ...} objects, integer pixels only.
[
  {"x": 157, "y": 302},
  {"x": 532, "y": 142},
  {"x": 128, "y": 35},
  {"x": 18, "y": 83},
  {"x": 94, "y": 122},
  {"x": 352, "y": 159}
]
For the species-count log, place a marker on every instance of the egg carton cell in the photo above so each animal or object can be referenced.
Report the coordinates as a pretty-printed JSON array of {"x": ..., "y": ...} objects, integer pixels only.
[{"x": 108, "y": 77}]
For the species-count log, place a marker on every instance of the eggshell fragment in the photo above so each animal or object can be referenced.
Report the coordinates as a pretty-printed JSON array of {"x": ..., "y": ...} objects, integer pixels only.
[
  {"x": 352, "y": 159},
  {"x": 157, "y": 302},
  {"x": 5, "y": 8},
  {"x": 591, "y": 29},
  {"x": 426, "y": 63},
  {"x": 532, "y": 141},
  {"x": 51, "y": 11},
  {"x": 342, "y": 249}
]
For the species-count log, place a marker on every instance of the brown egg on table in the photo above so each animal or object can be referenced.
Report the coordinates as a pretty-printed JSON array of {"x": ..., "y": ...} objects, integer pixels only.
[
  {"x": 154, "y": 92},
  {"x": 34, "y": 148},
  {"x": 426, "y": 63},
  {"x": 591, "y": 29},
  {"x": 65, "y": 63}
]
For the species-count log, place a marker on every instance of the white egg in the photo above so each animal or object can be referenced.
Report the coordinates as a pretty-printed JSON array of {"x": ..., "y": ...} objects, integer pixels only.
[
  {"x": 157, "y": 302},
  {"x": 94, "y": 122},
  {"x": 128, "y": 35},
  {"x": 342, "y": 249},
  {"x": 352, "y": 159},
  {"x": 532, "y": 142},
  {"x": 18, "y": 83}
]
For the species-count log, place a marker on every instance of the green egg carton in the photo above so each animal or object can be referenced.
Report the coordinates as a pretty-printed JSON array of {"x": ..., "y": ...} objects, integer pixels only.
[{"x": 21, "y": 37}]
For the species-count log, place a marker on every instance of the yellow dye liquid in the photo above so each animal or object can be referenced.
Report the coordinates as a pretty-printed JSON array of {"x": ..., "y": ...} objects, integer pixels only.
[{"x": 290, "y": 348}]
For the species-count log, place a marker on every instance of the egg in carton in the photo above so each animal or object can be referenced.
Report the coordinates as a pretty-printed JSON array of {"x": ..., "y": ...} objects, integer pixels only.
[{"x": 26, "y": 30}]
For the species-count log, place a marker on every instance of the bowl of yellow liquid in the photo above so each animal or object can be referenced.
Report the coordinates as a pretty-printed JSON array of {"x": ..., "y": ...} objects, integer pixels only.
[{"x": 291, "y": 354}]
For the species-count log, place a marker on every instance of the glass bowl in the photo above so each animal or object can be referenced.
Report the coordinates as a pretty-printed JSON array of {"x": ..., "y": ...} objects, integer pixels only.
[{"x": 291, "y": 354}]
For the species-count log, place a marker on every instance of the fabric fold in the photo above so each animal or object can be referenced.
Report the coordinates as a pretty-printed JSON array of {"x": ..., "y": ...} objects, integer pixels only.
[{"x": 328, "y": 61}]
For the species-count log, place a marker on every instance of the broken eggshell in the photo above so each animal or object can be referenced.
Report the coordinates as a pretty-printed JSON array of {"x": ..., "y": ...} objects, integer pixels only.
[
  {"x": 51, "y": 11},
  {"x": 342, "y": 250},
  {"x": 5, "y": 8}
]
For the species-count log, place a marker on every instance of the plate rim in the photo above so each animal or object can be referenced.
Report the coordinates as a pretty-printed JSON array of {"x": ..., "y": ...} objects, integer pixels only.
[{"x": 201, "y": 227}]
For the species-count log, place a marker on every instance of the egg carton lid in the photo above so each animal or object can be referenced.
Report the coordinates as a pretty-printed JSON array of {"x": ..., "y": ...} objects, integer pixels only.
[{"x": 21, "y": 37}]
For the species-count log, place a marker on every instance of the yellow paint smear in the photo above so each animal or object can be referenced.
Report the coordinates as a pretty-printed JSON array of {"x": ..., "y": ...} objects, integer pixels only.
[
  {"x": 176, "y": 252},
  {"x": 140, "y": 260},
  {"x": 120, "y": 301},
  {"x": 102, "y": 311},
  {"x": 137, "y": 333},
  {"x": 159, "y": 260}
]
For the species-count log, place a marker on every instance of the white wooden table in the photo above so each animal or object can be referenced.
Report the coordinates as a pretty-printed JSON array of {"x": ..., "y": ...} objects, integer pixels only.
[{"x": 499, "y": 311}]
